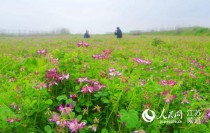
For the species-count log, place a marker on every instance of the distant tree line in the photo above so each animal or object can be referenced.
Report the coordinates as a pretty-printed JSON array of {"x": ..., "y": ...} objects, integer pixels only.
[
  {"x": 197, "y": 31},
  {"x": 62, "y": 31}
]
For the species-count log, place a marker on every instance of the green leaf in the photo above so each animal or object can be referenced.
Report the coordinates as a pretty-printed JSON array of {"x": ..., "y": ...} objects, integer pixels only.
[
  {"x": 175, "y": 131},
  {"x": 49, "y": 102},
  {"x": 131, "y": 118},
  {"x": 48, "y": 129},
  {"x": 104, "y": 131},
  {"x": 72, "y": 115},
  {"x": 79, "y": 117},
  {"x": 78, "y": 109},
  {"x": 68, "y": 101},
  {"x": 105, "y": 100},
  {"x": 89, "y": 103},
  {"x": 62, "y": 97}
]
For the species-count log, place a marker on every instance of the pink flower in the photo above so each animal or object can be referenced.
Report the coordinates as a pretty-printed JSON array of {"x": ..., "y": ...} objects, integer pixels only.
[
  {"x": 93, "y": 127},
  {"x": 55, "y": 118},
  {"x": 107, "y": 51},
  {"x": 208, "y": 113},
  {"x": 81, "y": 80},
  {"x": 10, "y": 120},
  {"x": 41, "y": 86},
  {"x": 82, "y": 43},
  {"x": 87, "y": 89},
  {"x": 66, "y": 109},
  {"x": 113, "y": 72},
  {"x": 93, "y": 85},
  {"x": 43, "y": 52},
  {"x": 118, "y": 115},
  {"x": 141, "y": 61},
  {"x": 54, "y": 61},
  {"x": 74, "y": 126},
  {"x": 185, "y": 93},
  {"x": 38, "y": 52},
  {"x": 64, "y": 76},
  {"x": 201, "y": 67},
  {"x": 206, "y": 117},
  {"x": 98, "y": 86},
  {"x": 104, "y": 55},
  {"x": 52, "y": 76},
  {"x": 168, "y": 97},
  {"x": 73, "y": 96},
  {"x": 192, "y": 75},
  {"x": 97, "y": 56},
  {"x": 194, "y": 62},
  {"x": 167, "y": 82}
]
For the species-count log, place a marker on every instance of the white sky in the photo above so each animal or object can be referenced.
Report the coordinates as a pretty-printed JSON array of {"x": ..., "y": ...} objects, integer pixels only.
[{"x": 101, "y": 16}]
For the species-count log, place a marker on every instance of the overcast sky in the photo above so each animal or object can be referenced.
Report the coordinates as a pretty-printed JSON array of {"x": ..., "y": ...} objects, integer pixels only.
[{"x": 101, "y": 16}]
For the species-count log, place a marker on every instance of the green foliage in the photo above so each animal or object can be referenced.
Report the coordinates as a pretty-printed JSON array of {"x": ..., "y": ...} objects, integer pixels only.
[
  {"x": 116, "y": 108},
  {"x": 156, "y": 42},
  {"x": 130, "y": 118}
]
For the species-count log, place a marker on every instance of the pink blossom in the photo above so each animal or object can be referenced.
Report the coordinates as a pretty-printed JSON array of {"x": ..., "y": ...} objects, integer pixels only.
[
  {"x": 38, "y": 52},
  {"x": 43, "y": 52},
  {"x": 167, "y": 82},
  {"x": 10, "y": 120},
  {"x": 73, "y": 96},
  {"x": 66, "y": 109},
  {"x": 192, "y": 75},
  {"x": 118, "y": 115},
  {"x": 82, "y": 43},
  {"x": 54, "y": 61},
  {"x": 206, "y": 116},
  {"x": 97, "y": 56},
  {"x": 194, "y": 62},
  {"x": 208, "y": 113},
  {"x": 113, "y": 72},
  {"x": 55, "y": 118},
  {"x": 81, "y": 80},
  {"x": 93, "y": 127},
  {"x": 52, "y": 76},
  {"x": 141, "y": 61},
  {"x": 107, "y": 51},
  {"x": 185, "y": 93},
  {"x": 168, "y": 97},
  {"x": 87, "y": 89},
  {"x": 64, "y": 76},
  {"x": 201, "y": 67},
  {"x": 93, "y": 85},
  {"x": 98, "y": 86},
  {"x": 74, "y": 126},
  {"x": 104, "y": 55}
]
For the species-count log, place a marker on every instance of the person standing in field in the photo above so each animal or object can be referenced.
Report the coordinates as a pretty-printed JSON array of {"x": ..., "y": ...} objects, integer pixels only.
[
  {"x": 118, "y": 32},
  {"x": 87, "y": 35}
]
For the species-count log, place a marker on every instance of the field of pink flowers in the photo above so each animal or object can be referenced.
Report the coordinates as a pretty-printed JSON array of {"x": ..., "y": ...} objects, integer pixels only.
[{"x": 137, "y": 84}]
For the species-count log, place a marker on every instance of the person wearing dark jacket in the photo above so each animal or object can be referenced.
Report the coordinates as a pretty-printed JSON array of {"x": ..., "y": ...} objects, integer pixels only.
[
  {"x": 118, "y": 33},
  {"x": 87, "y": 35}
]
